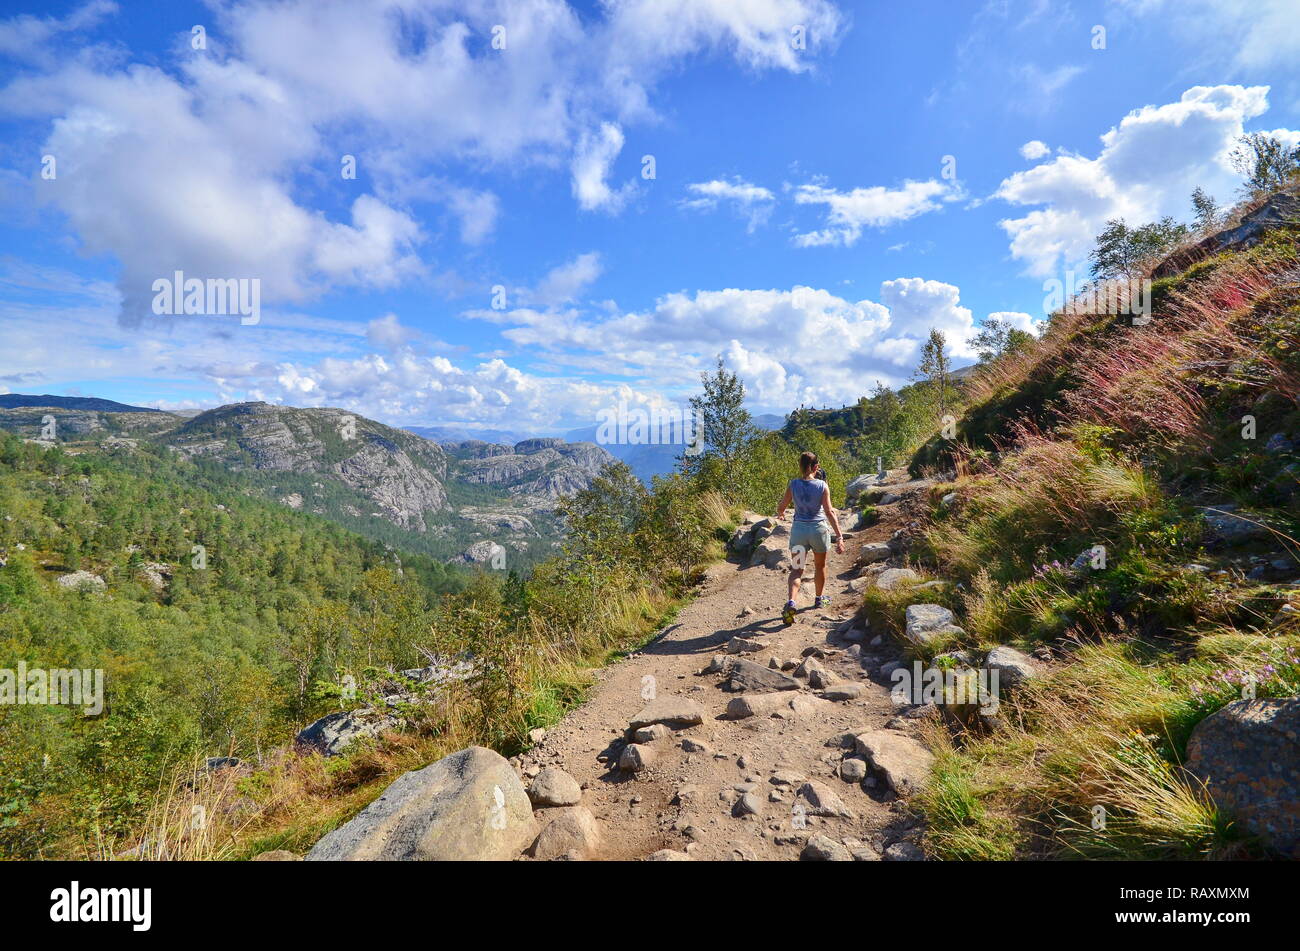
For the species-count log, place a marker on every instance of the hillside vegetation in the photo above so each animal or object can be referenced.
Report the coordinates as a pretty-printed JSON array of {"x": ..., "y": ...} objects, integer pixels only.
[{"x": 1169, "y": 447}]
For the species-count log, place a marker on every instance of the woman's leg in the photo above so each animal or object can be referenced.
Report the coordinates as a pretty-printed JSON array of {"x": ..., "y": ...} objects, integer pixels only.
[{"x": 819, "y": 563}]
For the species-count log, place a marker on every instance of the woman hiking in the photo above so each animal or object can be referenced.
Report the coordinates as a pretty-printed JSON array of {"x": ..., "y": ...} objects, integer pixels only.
[{"x": 812, "y": 509}]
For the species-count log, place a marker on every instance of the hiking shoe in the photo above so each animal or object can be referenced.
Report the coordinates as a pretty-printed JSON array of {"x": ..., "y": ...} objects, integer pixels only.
[
  {"x": 787, "y": 616},
  {"x": 823, "y": 601}
]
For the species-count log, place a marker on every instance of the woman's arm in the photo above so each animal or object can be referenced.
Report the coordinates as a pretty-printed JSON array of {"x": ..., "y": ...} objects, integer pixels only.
[
  {"x": 785, "y": 503},
  {"x": 835, "y": 522}
]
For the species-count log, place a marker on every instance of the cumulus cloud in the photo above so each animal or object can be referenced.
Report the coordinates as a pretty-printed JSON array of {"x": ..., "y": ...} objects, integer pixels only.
[
  {"x": 847, "y": 213},
  {"x": 197, "y": 163},
  {"x": 1034, "y": 150},
  {"x": 1147, "y": 167},
  {"x": 802, "y": 345},
  {"x": 564, "y": 283}
]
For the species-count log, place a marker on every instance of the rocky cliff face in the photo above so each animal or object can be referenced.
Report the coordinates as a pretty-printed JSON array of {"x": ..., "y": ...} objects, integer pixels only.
[
  {"x": 536, "y": 472},
  {"x": 400, "y": 473}
]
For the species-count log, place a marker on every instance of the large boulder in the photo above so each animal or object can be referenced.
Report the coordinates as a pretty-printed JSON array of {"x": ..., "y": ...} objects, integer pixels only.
[
  {"x": 903, "y": 762},
  {"x": 1248, "y": 755},
  {"x": 334, "y": 733},
  {"x": 469, "y": 806},
  {"x": 874, "y": 551}
]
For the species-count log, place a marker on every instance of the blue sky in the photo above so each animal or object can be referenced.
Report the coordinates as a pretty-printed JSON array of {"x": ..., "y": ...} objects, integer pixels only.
[{"x": 815, "y": 209}]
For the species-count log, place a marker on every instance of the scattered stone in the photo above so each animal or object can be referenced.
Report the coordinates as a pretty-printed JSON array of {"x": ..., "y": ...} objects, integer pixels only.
[
  {"x": 744, "y": 645},
  {"x": 673, "y": 711},
  {"x": 822, "y": 848},
  {"x": 891, "y": 578},
  {"x": 785, "y": 777},
  {"x": 1227, "y": 528},
  {"x": 874, "y": 551},
  {"x": 277, "y": 855},
  {"x": 536, "y": 736},
  {"x": 690, "y": 745},
  {"x": 904, "y": 852},
  {"x": 853, "y": 770},
  {"x": 668, "y": 855},
  {"x": 571, "y": 829},
  {"x": 554, "y": 787},
  {"x": 822, "y": 801},
  {"x": 820, "y": 679},
  {"x": 466, "y": 806},
  {"x": 635, "y": 757},
  {"x": 334, "y": 733},
  {"x": 81, "y": 581},
  {"x": 925, "y": 621},
  {"x": 1013, "y": 667},
  {"x": 648, "y": 734},
  {"x": 747, "y": 675},
  {"x": 903, "y": 761},
  {"x": 842, "y": 692},
  {"x": 748, "y": 804}
]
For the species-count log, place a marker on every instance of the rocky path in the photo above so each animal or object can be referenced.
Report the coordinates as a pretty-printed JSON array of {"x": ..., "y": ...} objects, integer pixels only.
[{"x": 768, "y": 742}]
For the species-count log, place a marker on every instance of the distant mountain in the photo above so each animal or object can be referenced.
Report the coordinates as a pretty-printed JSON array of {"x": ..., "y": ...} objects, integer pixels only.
[
  {"x": 647, "y": 461},
  {"x": 92, "y": 403},
  {"x": 451, "y": 434}
]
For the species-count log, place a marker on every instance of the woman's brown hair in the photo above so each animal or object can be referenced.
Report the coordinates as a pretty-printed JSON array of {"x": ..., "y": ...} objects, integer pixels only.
[{"x": 808, "y": 462}]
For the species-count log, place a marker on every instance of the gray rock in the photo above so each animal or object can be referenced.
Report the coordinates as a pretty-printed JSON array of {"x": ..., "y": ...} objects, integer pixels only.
[
  {"x": 635, "y": 757},
  {"x": 748, "y": 805},
  {"x": 277, "y": 855},
  {"x": 668, "y": 855},
  {"x": 903, "y": 762},
  {"x": 842, "y": 692},
  {"x": 1248, "y": 755},
  {"x": 648, "y": 734},
  {"x": 744, "y": 645},
  {"x": 1226, "y": 527},
  {"x": 672, "y": 711},
  {"x": 568, "y": 830},
  {"x": 853, "y": 770},
  {"x": 872, "y": 552},
  {"x": 752, "y": 677},
  {"x": 822, "y": 848},
  {"x": 466, "y": 806},
  {"x": 690, "y": 745},
  {"x": 822, "y": 801},
  {"x": 554, "y": 787},
  {"x": 1013, "y": 667},
  {"x": 333, "y": 734},
  {"x": 757, "y": 705},
  {"x": 924, "y": 621},
  {"x": 904, "y": 852},
  {"x": 892, "y": 578}
]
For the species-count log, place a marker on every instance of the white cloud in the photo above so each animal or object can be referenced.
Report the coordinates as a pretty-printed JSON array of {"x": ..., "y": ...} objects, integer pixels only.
[
  {"x": 753, "y": 202},
  {"x": 876, "y": 207},
  {"x": 1251, "y": 34},
  {"x": 564, "y": 283},
  {"x": 1147, "y": 167},
  {"x": 198, "y": 163},
  {"x": 592, "y": 160},
  {"x": 1034, "y": 150}
]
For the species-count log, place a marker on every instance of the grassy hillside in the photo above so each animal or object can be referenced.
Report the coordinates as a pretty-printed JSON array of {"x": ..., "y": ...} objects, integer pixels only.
[{"x": 1171, "y": 446}]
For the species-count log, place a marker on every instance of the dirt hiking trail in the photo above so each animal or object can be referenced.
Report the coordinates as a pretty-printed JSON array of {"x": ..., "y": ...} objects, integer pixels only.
[{"x": 785, "y": 781}]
